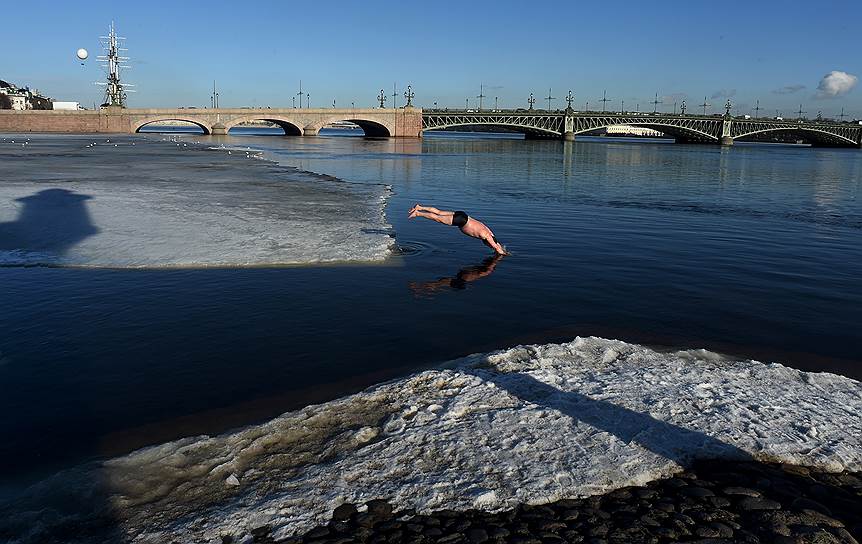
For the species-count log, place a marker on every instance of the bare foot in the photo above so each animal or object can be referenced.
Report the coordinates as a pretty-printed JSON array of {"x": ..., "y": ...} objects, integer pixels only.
[
  {"x": 412, "y": 214},
  {"x": 414, "y": 208}
]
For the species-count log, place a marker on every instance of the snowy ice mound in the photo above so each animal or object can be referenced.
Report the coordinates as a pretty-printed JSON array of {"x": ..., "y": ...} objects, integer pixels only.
[
  {"x": 529, "y": 424},
  {"x": 131, "y": 202}
]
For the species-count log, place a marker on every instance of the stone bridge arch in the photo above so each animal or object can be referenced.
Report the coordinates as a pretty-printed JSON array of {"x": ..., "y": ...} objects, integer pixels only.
[
  {"x": 291, "y": 127},
  {"x": 138, "y": 124},
  {"x": 373, "y": 128}
]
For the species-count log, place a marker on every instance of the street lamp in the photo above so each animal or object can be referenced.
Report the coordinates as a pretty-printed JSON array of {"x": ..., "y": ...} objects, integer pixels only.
[{"x": 409, "y": 95}]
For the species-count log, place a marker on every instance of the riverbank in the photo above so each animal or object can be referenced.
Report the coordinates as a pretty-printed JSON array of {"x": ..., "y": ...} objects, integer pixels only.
[
  {"x": 490, "y": 432},
  {"x": 713, "y": 502}
]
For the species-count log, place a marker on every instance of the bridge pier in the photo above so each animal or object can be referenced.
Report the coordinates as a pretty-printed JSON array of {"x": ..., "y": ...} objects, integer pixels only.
[
  {"x": 726, "y": 138},
  {"x": 310, "y": 131},
  {"x": 218, "y": 129},
  {"x": 569, "y": 136}
]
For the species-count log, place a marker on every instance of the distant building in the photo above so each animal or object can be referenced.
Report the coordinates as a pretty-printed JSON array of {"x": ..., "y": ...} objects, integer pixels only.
[
  {"x": 57, "y": 105},
  {"x": 19, "y": 101},
  {"x": 23, "y": 98},
  {"x": 628, "y": 130}
]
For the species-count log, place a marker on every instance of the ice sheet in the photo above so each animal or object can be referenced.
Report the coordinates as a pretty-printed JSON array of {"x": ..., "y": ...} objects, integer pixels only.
[
  {"x": 133, "y": 202},
  {"x": 529, "y": 424}
]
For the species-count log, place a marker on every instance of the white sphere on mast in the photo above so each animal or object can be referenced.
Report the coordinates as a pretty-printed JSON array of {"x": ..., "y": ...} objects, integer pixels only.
[{"x": 82, "y": 54}]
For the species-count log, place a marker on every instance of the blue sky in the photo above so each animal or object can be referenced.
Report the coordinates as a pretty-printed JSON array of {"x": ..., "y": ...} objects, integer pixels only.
[{"x": 775, "y": 52}]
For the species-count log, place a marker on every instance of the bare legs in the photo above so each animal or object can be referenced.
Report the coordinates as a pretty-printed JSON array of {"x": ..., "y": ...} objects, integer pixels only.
[{"x": 429, "y": 212}]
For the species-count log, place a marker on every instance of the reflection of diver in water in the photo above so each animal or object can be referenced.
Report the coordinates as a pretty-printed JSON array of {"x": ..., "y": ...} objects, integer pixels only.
[{"x": 461, "y": 279}]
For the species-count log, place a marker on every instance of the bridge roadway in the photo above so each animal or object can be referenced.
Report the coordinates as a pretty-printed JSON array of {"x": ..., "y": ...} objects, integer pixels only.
[
  {"x": 724, "y": 130},
  {"x": 411, "y": 122}
]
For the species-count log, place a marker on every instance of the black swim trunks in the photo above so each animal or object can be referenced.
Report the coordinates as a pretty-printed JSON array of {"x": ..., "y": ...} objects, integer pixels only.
[{"x": 459, "y": 219}]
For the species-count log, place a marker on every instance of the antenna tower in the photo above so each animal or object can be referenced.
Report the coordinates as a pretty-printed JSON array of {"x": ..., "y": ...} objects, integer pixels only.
[{"x": 115, "y": 91}]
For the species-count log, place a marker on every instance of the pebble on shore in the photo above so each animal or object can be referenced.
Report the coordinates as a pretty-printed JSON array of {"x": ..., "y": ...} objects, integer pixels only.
[{"x": 714, "y": 502}]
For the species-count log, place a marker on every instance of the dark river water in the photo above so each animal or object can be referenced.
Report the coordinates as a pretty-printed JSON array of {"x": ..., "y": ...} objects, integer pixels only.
[{"x": 754, "y": 250}]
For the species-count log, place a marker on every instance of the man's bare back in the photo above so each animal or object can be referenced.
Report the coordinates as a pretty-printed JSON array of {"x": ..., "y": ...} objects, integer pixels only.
[{"x": 468, "y": 225}]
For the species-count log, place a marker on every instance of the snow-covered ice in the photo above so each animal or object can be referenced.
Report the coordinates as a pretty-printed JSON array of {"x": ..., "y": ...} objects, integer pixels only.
[
  {"x": 529, "y": 424},
  {"x": 134, "y": 202}
]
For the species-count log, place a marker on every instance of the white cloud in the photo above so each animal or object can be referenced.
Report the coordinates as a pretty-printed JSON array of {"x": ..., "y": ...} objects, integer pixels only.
[{"x": 836, "y": 83}]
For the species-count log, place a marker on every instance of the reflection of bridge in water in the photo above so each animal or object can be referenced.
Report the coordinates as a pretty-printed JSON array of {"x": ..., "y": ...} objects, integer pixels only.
[
  {"x": 411, "y": 122},
  {"x": 725, "y": 130}
]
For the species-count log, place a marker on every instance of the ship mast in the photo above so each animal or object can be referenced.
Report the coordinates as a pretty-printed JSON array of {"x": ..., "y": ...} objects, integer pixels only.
[{"x": 115, "y": 90}]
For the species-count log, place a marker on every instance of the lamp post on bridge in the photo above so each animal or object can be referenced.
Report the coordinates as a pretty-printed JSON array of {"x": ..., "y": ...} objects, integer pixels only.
[
  {"x": 382, "y": 99},
  {"x": 800, "y": 113},
  {"x": 549, "y": 98},
  {"x": 409, "y": 95},
  {"x": 569, "y": 99},
  {"x": 299, "y": 94},
  {"x": 682, "y": 108},
  {"x": 705, "y": 105},
  {"x": 757, "y": 109},
  {"x": 622, "y": 106},
  {"x": 604, "y": 100},
  {"x": 531, "y": 101},
  {"x": 293, "y": 98},
  {"x": 655, "y": 104},
  {"x": 481, "y": 96},
  {"x": 307, "y": 100},
  {"x": 495, "y": 104},
  {"x": 727, "y": 107}
]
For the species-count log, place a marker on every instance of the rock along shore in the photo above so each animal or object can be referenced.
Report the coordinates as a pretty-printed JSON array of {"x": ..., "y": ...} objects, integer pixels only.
[{"x": 713, "y": 502}]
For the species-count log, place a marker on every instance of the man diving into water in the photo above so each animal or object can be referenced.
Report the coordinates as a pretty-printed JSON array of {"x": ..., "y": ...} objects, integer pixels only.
[{"x": 468, "y": 225}]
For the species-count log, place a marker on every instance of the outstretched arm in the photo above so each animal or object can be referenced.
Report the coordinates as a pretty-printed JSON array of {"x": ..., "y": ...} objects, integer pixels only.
[{"x": 492, "y": 242}]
